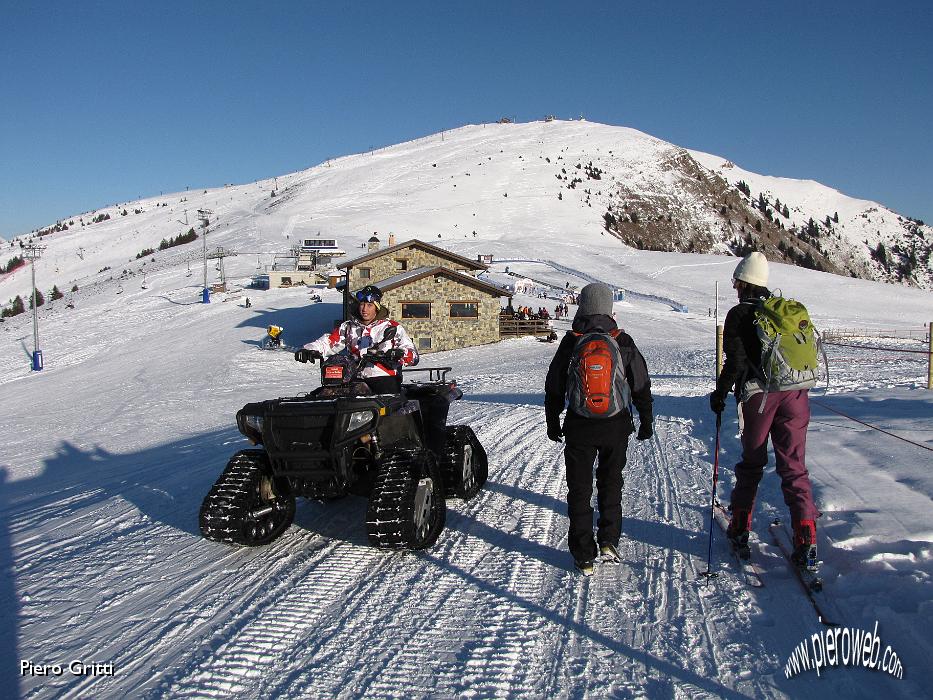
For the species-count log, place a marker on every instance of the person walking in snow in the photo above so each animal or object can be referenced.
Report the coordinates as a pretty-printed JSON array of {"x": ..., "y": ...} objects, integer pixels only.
[
  {"x": 368, "y": 331},
  {"x": 784, "y": 415},
  {"x": 591, "y": 438}
]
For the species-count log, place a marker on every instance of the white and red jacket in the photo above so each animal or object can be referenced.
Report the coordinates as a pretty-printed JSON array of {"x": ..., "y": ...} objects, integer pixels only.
[{"x": 360, "y": 338}]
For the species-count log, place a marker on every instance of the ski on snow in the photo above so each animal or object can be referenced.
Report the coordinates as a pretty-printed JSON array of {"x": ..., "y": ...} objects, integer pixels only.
[
  {"x": 750, "y": 569},
  {"x": 809, "y": 580}
]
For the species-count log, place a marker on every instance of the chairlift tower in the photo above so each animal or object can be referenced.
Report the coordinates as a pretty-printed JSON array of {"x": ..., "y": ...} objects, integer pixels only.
[
  {"x": 204, "y": 216},
  {"x": 219, "y": 255},
  {"x": 33, "y": 252}
]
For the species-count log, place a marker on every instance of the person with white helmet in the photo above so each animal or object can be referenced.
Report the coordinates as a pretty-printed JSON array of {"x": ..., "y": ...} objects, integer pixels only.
[{"x": 784, "y": 415}]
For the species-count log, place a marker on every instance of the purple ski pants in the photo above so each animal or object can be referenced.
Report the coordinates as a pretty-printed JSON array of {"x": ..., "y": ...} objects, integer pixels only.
[{"x": 785, "y": 418}]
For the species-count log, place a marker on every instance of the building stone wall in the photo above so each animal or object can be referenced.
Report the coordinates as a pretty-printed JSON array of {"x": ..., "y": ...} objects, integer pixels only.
[
  {"x": 385, "y": 266},
  {"x": 445, "y": 333}
]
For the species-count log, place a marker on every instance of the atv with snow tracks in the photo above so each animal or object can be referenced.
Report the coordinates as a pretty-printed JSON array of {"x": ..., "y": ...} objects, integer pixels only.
[{"x": 342, "y": 439}]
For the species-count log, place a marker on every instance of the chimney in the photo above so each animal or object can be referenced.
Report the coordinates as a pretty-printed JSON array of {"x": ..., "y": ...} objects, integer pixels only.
[
  {"x": 391, "y": 239},
  {"x": 373, "y": 243}
]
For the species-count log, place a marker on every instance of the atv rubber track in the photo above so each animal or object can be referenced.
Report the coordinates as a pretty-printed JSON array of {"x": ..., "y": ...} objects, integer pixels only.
[
  {"x": 459, "y": 437},
  {"x": 390, "y": 518},
  {"x": 224, "y": 515}
]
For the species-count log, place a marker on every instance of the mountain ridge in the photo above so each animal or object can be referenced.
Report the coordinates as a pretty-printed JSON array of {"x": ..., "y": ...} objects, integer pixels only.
[{"x": 493, "y": 183}]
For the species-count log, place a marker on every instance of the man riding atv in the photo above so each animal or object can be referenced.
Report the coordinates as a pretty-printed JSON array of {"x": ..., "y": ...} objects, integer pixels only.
[
  {"x": 368, "y": 332},
  {"x": 361, "y": 432}
]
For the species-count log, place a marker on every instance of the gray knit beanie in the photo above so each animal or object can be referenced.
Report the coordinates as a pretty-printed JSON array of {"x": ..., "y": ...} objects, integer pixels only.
[{"x": 595, "y": 298}]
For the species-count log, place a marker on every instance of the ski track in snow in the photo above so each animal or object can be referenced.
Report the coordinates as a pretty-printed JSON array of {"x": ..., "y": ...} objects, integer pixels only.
[{"x": 494, "y": 610}]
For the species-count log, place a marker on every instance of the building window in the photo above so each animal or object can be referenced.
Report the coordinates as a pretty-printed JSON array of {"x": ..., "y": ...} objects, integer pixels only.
[
  {"x": 401, "y": 265},
  {"x": 365, "y": 273},
  {"x": 464, "y": 309},
  {"x": 416, "y": 309},
  {"x": 424, "y": 343}
]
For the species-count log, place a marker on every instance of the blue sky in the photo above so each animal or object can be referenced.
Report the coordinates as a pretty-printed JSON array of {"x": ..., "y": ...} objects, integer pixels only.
[{"x": 103, "y": 102}]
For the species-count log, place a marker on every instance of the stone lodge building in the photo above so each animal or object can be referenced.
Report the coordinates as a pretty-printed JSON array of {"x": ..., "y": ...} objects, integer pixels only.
[{"x": 434, "y": 293}]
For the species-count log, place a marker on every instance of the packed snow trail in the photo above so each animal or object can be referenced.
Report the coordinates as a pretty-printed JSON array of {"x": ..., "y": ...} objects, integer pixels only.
[
  {"x": 100, "y": 526},
  {"x": 494, "y": 609}
]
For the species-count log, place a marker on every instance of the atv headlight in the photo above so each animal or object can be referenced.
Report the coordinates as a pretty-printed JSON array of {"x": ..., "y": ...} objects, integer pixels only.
[
  {"x": 254, "y": 422},
  {"x": 358, "y": 419}
]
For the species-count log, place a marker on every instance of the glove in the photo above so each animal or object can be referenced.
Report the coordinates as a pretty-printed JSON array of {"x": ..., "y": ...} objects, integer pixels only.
[
  {"x": 717, "y": 402},
  {"x": 395, "y": 355},
  {"x": 645, "y": 428},
  {"x": 305, "y": 355},
  {"x": 555, "y": 433}
]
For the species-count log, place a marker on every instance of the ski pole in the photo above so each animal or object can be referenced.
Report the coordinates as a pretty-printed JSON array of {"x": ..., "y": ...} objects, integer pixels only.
[{"x": 709, "y": 573}]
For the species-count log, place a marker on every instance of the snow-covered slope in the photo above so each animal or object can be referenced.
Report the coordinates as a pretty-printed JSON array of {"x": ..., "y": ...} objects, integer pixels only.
[
  {"x": 108, "y": 452},
  {"x": 479, "y": 187},
  {"x": 849, "y": 229}
]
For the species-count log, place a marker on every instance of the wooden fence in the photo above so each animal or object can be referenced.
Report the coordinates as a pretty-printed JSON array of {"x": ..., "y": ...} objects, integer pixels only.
[
  {"x": 832, "y": 336},
  {"x": 844, "y": 333},
  {"x": 511, "y": 327}
]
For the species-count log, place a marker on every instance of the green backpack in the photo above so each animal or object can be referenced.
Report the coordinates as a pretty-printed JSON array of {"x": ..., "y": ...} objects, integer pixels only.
[{"x": 790, "y": 345}]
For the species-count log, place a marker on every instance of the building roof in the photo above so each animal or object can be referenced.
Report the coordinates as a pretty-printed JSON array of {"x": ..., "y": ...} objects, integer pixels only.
[
  {"x": 401, "y": 279},
  {"x": 427, "y": 247}
]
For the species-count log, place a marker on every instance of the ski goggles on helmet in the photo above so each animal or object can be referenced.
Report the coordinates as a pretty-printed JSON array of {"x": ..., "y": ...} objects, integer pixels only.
[{"x": 369, "y": 293}]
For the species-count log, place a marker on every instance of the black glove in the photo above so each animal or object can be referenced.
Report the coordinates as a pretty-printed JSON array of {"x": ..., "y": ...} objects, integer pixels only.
[
  {"x": 305, "y": 355},
  {"x": 645, "y": 428},
  {"x": 717, "y": 402},
  {"x": 555, "y": 433},
  {"x": 395, "y": 355}
]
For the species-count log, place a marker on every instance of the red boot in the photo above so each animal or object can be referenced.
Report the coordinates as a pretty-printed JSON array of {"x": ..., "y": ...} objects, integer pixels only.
[{"x": 805, "y": 544}]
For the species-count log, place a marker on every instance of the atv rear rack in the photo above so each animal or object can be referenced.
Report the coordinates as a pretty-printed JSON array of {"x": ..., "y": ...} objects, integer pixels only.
[{"x": 436, "y": 374}]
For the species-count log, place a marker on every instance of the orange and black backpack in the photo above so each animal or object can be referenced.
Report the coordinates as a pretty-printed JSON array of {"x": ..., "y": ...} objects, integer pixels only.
[{"x": 596, "y": 383}]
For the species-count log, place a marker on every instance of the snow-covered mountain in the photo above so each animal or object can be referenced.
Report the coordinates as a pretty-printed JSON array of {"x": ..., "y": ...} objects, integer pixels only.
[
  {"x": 485, "y": 186},
  {"x": 108, "y": 452}
]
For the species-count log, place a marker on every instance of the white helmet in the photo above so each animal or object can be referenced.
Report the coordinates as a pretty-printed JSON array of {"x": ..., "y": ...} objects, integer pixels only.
[{"x": 753, "y": 269}]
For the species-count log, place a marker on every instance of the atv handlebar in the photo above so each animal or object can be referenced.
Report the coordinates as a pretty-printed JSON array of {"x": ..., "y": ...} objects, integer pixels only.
[{"x": 390, "y": 357}]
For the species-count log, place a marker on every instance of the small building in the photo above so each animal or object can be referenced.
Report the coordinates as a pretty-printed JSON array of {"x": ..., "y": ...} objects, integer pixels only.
[
  {"x": 434, "y": 293},
  {"x": 299, "y": 266},
  {"x": 315, "y": 252},
  {"x": 443, "y": 309},
  {"x": 379, "y": 264}
]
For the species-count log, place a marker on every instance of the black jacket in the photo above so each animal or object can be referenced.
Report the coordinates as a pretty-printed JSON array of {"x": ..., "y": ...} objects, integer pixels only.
[
  {"x": 577, "y": 428},
  {"x": 741, "y": 346}
]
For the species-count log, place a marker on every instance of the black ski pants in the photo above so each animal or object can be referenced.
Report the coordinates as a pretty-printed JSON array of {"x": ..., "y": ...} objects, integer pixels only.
[{"x": 579, "y": 459}]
